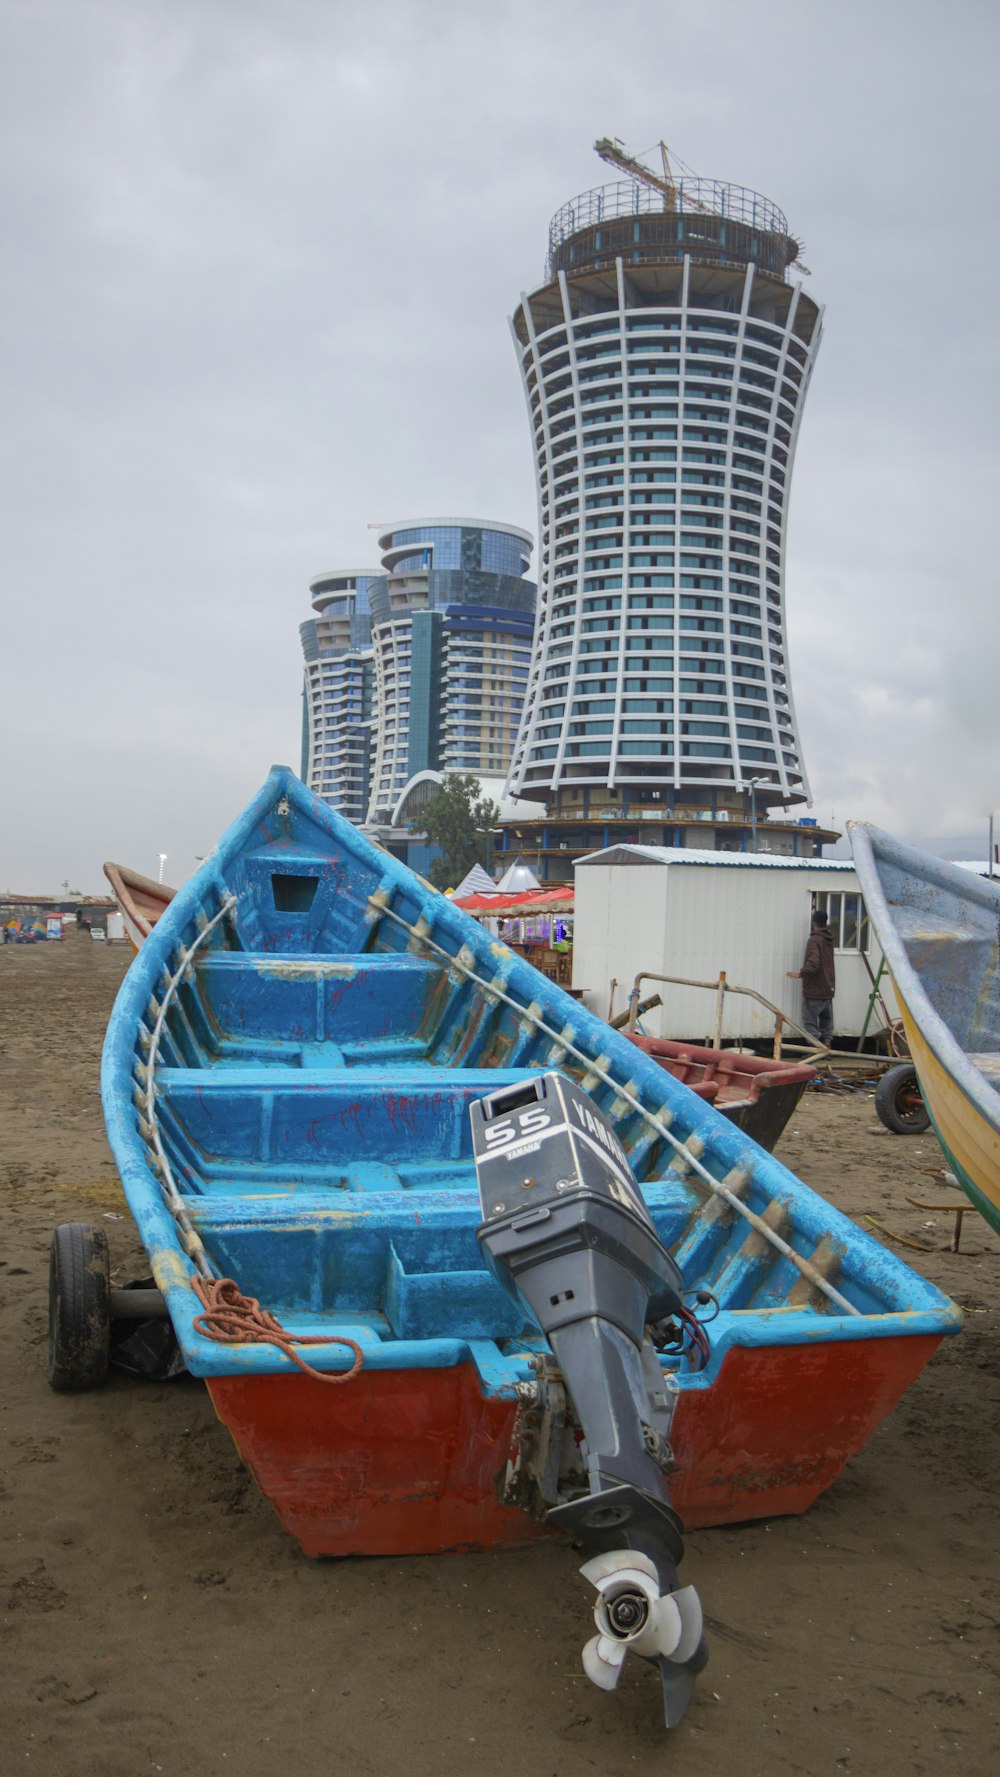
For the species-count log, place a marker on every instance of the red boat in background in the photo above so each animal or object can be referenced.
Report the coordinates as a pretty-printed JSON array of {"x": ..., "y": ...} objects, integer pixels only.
[{"x": 756, "y": 1094}]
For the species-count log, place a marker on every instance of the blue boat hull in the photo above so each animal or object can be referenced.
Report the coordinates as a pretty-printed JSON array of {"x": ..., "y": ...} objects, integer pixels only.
[{"x": 287, "y": 1077}]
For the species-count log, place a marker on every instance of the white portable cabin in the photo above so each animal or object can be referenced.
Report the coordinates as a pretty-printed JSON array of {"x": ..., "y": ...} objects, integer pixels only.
[{"x": 693, "y": 913}]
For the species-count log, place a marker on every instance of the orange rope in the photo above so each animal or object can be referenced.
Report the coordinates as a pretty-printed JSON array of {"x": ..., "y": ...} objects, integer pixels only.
[{"x": 235, "y": 1319}]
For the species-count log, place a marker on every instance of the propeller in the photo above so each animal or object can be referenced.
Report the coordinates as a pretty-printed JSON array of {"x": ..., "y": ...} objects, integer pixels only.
[{"x": 632, "y": 1615}]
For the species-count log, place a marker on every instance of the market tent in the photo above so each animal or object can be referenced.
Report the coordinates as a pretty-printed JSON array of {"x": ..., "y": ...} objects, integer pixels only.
[
  {"x": 501, "y": 906},
  {"x": 476, "y": 883},
  {"x": 518, "y": 877}
]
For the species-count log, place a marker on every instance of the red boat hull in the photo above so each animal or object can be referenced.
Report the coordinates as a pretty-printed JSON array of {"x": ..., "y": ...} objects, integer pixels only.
[{"x": 406, "y": 1462}]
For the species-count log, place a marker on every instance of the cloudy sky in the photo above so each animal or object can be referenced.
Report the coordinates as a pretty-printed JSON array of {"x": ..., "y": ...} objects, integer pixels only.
[{"x": 258, "y": 261}]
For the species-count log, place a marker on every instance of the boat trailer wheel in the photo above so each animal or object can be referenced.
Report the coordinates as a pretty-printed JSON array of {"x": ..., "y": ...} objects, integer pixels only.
[
  {"x": 899, "y": 1102},
  {"x": 79, "y": 1308},
  {"x": 92, "y": 1325}
]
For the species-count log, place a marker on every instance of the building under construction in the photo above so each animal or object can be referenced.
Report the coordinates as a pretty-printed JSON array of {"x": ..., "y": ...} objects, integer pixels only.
[{"x": 665, "y": 361}]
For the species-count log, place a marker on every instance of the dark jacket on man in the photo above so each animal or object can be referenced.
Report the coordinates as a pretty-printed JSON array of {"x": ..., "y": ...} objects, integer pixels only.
[{"x": 819, "y": 980}]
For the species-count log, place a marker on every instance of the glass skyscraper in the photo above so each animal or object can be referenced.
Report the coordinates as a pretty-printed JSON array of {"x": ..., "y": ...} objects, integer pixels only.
[
  {"x": 665, "y": 362},
  {"x": 338, "y": 690},
  {"x": 452, "y": 622}
]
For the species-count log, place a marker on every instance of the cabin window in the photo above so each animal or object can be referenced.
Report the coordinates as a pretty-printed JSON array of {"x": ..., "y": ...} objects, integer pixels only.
[
  {"x": 848, "y": 919},
  {"x": 293, "y": 894}
]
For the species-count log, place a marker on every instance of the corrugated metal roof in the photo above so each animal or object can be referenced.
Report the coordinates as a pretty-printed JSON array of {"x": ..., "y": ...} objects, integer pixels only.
[{"x": 669, "y": 854}]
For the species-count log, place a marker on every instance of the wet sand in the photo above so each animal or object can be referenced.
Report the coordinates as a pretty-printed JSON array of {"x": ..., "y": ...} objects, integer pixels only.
[{"x": 155, "y": 1618}]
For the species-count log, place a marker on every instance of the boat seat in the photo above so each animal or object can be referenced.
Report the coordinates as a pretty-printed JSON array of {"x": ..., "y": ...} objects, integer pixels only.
[
  {"x": 413, "y": 1257},
  {"x": 988, "y": 1064},
  {"x": 280, "y": 1181},
  {"x": 958, "y": 973},
  {"x": 292, "y": 966},
  {"x": 330, "y": 1185},
  {"x": 421, "y": 1269},
  {"x": 278, "y": 1052},
  {"x": 278, "y": 1004},
  {"x": 259, "y": 1077},
  {"x": 322, "y": 1115},
  {"x": 364, "y": 1194}
]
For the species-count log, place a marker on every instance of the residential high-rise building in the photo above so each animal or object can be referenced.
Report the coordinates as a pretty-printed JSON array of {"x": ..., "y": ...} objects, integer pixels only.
[
  {"x": 338, "y": 690},
  {"x": 452, "y": 620},
  {"x": 665, "y": 362}
]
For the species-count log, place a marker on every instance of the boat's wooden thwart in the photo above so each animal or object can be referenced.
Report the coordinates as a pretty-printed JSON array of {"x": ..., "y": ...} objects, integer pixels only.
[
  {"x": 287, "y": 1080},
  {"x": 140, "y": 900},
  {"x": 939, "y": 929}
]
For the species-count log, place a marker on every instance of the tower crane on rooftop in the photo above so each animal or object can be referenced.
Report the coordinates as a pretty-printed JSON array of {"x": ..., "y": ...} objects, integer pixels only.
[{"x": 617, "y": 155}]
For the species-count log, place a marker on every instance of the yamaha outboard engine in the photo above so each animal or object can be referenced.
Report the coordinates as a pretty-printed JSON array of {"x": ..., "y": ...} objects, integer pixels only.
[{"x": 566, "y": 1231}]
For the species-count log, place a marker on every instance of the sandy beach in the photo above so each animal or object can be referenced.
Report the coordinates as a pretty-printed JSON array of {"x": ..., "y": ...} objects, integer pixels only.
[{"x": 155, "y": 1618}]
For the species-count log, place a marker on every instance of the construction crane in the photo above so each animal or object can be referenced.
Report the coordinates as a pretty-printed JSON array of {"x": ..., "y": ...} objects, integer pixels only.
[{"x": 617, "y": 155}]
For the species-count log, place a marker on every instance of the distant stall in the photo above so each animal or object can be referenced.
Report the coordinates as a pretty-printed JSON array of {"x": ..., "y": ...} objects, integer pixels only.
[
  {"x": 30, "y": 918},
  {"x": 537, "y": 924}
]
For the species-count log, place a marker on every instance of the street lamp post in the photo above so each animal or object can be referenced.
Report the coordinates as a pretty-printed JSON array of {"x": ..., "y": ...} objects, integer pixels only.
[
  {"x": 754, "y": 781},
  {"x": 487, "y": 833}
]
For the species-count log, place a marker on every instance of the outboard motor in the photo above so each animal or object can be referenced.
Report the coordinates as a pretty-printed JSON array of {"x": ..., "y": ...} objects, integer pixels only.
[{"x": 566, "y": 1232}]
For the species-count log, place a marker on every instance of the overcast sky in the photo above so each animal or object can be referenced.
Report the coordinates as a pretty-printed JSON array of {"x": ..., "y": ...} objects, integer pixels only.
[{"x": 258, "y": 259}]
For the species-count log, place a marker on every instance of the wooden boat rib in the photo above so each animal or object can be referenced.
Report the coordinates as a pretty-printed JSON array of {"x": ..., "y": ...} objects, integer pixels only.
[
  {"x": 141, "y": 901},
  {"x": 292, "y": 1111},
  {"x": 939, "y": 929}
]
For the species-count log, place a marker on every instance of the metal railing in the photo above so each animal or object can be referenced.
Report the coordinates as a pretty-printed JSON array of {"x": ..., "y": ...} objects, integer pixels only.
[
  {"x": 814, "y": 1051},
  {"x": 693, "y": 197},
  {"x": 720, "y": 988}
]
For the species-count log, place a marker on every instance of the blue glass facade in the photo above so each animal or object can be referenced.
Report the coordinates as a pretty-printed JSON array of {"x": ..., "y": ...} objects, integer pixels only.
[
  {"x": 452, "y": 621},
  {"x": 458, "y": 547}
]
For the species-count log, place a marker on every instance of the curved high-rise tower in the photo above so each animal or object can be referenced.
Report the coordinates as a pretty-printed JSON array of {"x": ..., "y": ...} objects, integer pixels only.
[
  {"x": 665, "y": 362},
  {"x": 338, "y": 689}
]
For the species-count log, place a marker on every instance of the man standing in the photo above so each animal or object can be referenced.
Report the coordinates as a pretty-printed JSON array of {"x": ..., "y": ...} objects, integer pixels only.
[{"x": 819, "y": 981}]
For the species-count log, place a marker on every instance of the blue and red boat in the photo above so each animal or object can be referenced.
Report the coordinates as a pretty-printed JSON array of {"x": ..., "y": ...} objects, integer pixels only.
[
  {"x": 287, "y": 1079},
  {"x": 296, "y": 1067}
]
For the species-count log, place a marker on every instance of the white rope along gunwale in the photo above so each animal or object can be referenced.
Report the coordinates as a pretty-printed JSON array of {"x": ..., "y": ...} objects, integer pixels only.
[
  {"x": 174, "y": 1201},
  {"x": 808, "y": 1270}
]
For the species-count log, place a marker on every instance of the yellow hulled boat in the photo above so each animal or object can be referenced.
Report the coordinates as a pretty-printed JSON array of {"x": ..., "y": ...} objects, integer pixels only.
[{"x": 939, "y": 929}]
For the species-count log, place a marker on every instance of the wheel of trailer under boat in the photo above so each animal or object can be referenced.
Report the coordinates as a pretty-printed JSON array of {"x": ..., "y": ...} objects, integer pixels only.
[
  {"x": 899, "y": 1102},
  {"x": 79, "y": 1308}
]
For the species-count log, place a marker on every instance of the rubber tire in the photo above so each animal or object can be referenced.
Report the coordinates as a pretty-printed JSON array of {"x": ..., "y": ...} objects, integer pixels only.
[
  {"x": 895, "y": 1088},
  {"x": 79, "y": 1308}
]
